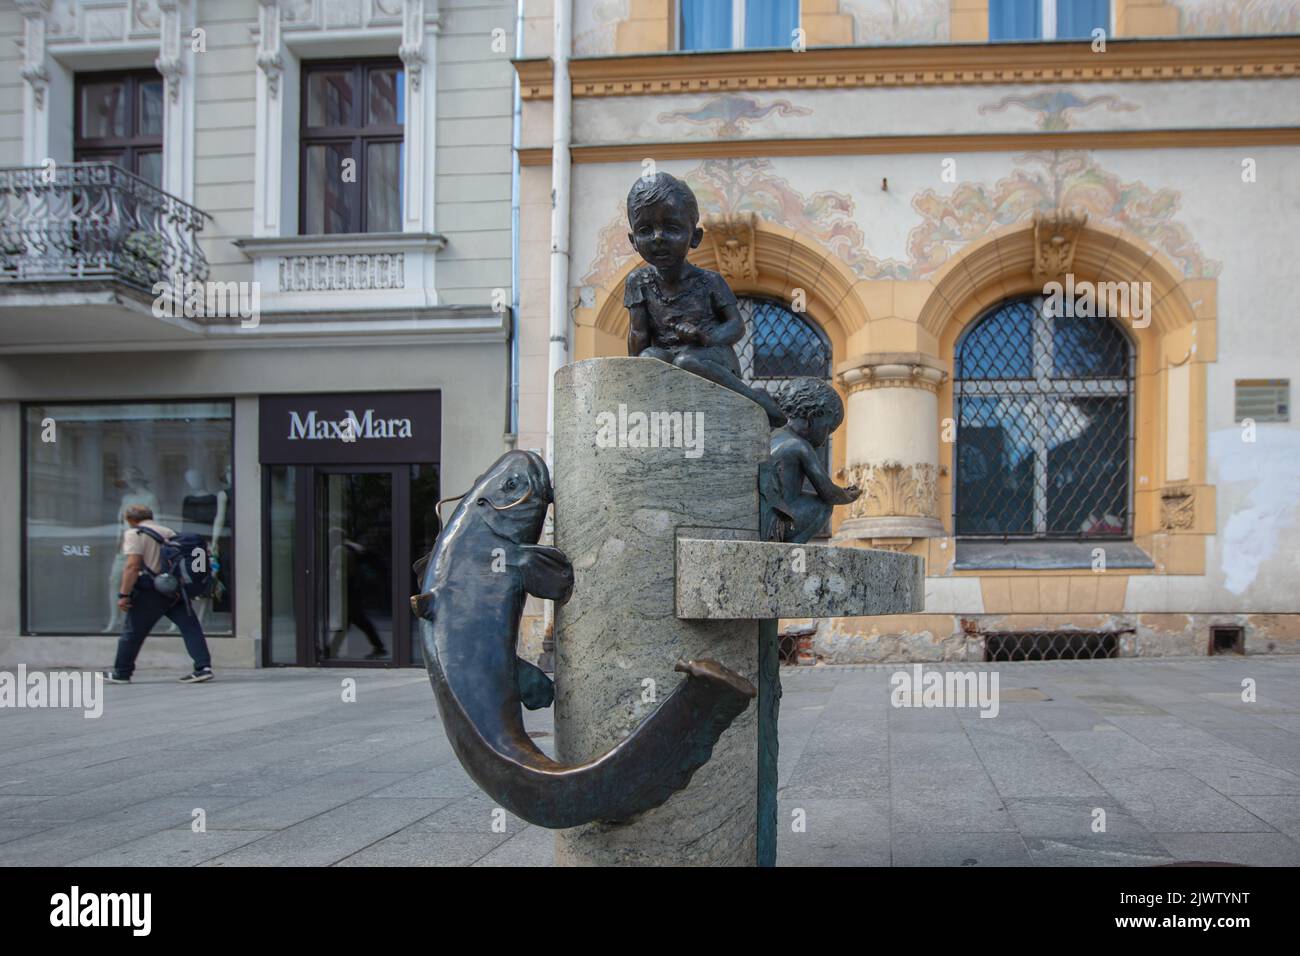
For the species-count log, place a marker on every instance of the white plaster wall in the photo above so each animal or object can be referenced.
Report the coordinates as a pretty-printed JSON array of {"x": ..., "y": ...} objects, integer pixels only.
[{"x": 11, "y": 86}]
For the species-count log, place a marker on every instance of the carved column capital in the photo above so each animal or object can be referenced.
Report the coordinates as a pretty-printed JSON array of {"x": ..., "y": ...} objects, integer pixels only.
[
  {"x": 411, "y": 50},
  {"x": 170, "y": 62},
  {"x": 892, "y": 370},
  {"x": 33, "y": 70},
  {"x": 270, "y": 58}
]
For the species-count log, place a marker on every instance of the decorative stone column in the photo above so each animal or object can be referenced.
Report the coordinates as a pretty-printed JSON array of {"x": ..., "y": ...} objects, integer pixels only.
[{"x": 892, "y": 451}]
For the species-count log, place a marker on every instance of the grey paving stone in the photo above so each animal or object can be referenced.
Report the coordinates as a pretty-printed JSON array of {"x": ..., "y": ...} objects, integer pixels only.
[
  {"x": 1247, "y": 849},
  {"x": 8, "y": 834},
  {"x": 1283, "y": 813},
  {"x": 1057, "y": 816},
  {"x": 1233, "y": 778},
  {"x": 1032, "y": 768},
  {"x": 300, "y": 802},
  {"x": 63, "y": 844},
  {"x": 447, "y": 780},
  {"x": 328, "y": 838},
  {"x": 841, "y": 774},
  {"x": 1097, "y": 849},
  {"x": 417, "y": 846},
  {"x": 533, "y": 846},
  {"x": 950, "y": 810},
  {"x": 475, "y": 813},
  {"x": 1174, "y": 801},
  {"x": 836, "y": 832},
  {"x": 172, "y": 848},
  {"x": 959, "y": 849}
]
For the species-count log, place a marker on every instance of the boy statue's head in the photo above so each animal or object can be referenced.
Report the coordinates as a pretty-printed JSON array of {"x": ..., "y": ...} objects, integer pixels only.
[
  {"x": 665, "y": 219},
  {"x": 813, "y": 408}
]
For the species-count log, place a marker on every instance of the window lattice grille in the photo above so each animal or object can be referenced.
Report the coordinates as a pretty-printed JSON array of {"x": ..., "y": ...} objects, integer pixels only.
[
  {"x": 780, "y": 345},
  {"x": 1044, "y": 426}
]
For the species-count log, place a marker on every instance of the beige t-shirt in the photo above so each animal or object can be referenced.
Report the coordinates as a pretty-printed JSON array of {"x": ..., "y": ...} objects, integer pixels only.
[{"x": 135, "y": 542}]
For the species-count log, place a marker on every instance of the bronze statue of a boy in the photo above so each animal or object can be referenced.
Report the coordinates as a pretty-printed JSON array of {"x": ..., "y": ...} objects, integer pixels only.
[
  {"x": 680, "y": 313},
  {"x": 814, "y": 410}
]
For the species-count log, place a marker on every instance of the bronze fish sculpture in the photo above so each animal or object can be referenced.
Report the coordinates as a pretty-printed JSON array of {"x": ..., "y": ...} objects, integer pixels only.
[{"x": 482, "y": 566}]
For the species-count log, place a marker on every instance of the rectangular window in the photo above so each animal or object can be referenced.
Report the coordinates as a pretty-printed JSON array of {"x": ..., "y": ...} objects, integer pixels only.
[
  {"x": 84, "y": 465},
  {"x": 352, "y": 129},
  {"x": 733, "y": 24},
  {"x": 119, "y": 119},
  {"x": 1047, "y": 19}
]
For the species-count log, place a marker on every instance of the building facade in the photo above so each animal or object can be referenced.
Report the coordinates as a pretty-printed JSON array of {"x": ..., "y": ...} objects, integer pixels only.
[
  {"x": 256, "y": 273},
  {"x": 1041, "y": 250}
]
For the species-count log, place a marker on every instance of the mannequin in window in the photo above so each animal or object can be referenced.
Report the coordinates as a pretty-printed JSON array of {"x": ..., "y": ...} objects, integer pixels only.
[
  {"x": 203, "y": 512},
  {"x": 220, "y": 543},
  {"x": 135, "y": 491}
]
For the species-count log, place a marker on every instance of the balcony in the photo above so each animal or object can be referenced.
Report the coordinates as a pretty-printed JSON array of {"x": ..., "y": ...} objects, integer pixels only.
[{"x": 82, "y": 246}]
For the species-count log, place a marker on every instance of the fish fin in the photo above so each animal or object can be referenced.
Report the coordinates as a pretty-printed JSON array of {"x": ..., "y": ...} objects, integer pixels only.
[
  {"x": 536, "y": 690},
  {"x": 547, "y": 572},
  {"x": 422, "y": 605}
]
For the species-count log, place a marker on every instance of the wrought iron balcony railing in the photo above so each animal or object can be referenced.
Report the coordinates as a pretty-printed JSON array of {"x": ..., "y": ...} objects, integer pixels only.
[{"x": 95, "y": 221}]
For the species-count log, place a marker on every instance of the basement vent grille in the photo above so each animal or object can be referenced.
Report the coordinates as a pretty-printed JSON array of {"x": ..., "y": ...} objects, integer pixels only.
[
  {"x": 1263, "y": 399},
  {"x": 1050, "y": 645}
]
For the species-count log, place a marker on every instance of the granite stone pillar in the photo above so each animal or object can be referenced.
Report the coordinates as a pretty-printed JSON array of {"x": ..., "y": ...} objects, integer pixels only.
[{"x": 625, "y": 485}]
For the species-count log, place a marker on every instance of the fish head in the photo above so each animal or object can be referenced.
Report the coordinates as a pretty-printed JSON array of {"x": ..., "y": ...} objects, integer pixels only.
[{"x": 513, "y": 495}]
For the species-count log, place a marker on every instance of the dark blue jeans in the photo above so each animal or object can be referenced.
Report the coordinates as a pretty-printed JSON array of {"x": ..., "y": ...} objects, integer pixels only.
[{"x": 147, "y": 607}]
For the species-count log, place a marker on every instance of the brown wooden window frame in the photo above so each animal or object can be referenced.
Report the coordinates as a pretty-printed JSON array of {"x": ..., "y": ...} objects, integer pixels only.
[
  {"x": 360, "y": 135},
  {"x": 134, "y": 144}
]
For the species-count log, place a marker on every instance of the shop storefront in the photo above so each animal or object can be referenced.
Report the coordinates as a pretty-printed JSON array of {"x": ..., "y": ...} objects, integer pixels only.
[
  {"x": 312, "y": 470},
  {"x": 83, "y": 465},
  {"x": 349, "y": 488}
]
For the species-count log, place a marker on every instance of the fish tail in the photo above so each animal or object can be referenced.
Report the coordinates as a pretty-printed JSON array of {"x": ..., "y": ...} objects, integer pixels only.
[{"x": 640, "y": 773}]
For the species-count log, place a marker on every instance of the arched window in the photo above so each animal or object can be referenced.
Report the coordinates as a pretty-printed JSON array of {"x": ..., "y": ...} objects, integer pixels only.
[
  {"x": 779, "y": 345},
  {"x": 1044, "y": 425}
]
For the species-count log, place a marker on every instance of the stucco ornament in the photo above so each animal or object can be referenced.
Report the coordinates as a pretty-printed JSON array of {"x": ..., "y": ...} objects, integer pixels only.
[{"x": 1055, "y": 236}]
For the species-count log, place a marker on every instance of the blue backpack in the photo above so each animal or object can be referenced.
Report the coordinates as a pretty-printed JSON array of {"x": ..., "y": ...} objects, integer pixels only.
[{"x": 185, "y": 565}]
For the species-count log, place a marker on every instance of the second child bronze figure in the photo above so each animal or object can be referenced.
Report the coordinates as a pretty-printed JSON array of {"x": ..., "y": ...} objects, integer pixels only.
[
  {"x": 680, "y": 313},
  {"x": 814, "y": 411}
]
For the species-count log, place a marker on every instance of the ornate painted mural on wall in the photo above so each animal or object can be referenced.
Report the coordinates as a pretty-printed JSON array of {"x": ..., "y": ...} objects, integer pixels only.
[
  {"x": 1056, "y": 107},
  {"x": 729, "y": 116},
  {"x": 897, "y": 21},
  {"x": 1237, "y": 17},
  {"x": 731, "y": 187},
  {"x": 1049, "y": 180}
]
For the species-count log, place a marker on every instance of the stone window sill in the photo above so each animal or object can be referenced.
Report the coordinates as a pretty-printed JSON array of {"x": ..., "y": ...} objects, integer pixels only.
[{"x": 1047, "y": 555}]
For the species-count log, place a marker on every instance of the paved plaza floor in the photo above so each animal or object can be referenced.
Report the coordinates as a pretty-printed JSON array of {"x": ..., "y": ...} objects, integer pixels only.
[{"x": 281, "y": 771}]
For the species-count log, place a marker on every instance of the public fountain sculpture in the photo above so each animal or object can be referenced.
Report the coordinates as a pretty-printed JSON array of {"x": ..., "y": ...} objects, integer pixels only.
[
  {"x": 681, "y": 548},
  {"x": 484, "y": 563}
]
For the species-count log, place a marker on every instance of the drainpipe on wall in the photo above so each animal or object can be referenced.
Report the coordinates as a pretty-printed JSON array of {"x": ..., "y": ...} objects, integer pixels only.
[
  {"x": 516, "y": 136},
  {"x": 558, "y": 351},
  {"x": 561, "y": 103}
]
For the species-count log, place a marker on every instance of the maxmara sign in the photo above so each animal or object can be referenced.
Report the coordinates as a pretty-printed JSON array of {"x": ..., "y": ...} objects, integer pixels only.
[
  {"x": 357, "y": 427},
  {"x": 349, "y": 428}
]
